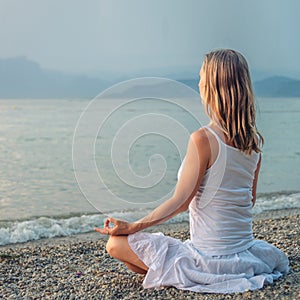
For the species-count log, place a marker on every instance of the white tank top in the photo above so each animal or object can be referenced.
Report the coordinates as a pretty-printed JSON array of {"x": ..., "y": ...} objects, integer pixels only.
[{"x": 221, "y": 211}]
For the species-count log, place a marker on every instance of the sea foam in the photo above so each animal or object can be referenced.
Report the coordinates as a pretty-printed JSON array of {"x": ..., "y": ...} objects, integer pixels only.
[{"x": 48, "y": 227}]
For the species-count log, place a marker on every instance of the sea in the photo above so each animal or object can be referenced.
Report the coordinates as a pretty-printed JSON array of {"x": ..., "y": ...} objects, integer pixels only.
[{"x": 68, "y": 163}]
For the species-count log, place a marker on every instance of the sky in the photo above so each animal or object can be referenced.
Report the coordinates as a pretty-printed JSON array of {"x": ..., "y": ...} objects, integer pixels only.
[{"x": 117, "y": 37}]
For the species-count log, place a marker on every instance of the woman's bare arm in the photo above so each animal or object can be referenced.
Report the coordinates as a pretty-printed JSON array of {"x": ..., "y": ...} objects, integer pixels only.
[
  {"x": 196, "y": 162},
  {"x": 255, "y": 181}
]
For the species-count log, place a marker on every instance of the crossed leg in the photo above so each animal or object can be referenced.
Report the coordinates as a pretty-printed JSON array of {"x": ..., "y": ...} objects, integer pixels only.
[{"x": 118, "y": 247}]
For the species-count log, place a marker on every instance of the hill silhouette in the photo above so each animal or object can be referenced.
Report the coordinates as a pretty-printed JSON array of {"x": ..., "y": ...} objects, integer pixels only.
[
  {"x": 23, "y": 78},
  {"x": 277, "y": 86}
]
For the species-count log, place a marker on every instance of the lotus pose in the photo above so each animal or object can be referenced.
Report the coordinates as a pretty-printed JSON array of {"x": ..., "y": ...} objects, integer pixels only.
[{"x": 217, "y": 183}]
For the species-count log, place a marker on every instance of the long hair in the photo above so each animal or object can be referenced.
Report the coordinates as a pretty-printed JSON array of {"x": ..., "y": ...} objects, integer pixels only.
[{"x": 229, "y": 98}]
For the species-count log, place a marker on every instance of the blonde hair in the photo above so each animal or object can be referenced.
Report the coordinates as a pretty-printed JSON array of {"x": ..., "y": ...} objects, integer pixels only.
[{"x": 229, "y": 98}]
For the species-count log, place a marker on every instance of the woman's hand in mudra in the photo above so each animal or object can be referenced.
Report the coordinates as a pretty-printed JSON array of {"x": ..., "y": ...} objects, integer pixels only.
[{"x": 119, "y": 227}]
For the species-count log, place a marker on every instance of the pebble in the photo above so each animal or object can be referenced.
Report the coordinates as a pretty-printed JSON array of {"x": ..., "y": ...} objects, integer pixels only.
[{"x": 83, "y": 270}]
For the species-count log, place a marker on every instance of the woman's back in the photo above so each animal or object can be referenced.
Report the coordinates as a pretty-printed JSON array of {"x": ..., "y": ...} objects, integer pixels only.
[
  {"x": 218, "y": 184},
  {"x": 220, "y": 213}
]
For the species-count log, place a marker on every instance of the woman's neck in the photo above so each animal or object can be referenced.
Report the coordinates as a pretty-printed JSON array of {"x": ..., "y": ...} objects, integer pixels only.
[{"x": 217, "y": 128}]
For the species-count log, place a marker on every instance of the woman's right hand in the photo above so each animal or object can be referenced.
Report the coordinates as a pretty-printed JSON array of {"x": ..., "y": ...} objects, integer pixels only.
[{"x": 118, "y": 227}]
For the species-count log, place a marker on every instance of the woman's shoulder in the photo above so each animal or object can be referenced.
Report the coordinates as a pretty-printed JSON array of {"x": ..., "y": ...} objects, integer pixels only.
[
  {"x": 202, "y": 140},
  {"x": 200, "y": 135}
]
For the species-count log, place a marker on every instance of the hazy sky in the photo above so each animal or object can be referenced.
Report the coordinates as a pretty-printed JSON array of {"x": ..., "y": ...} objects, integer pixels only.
[{"x": 97, "y": 36}]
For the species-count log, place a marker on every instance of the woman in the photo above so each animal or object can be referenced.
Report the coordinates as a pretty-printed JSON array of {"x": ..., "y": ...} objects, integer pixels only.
[{"x": 217, "y": 182}]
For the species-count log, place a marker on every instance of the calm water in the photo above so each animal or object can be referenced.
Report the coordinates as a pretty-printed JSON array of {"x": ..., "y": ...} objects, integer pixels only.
[{"x": 39, "y": 194}]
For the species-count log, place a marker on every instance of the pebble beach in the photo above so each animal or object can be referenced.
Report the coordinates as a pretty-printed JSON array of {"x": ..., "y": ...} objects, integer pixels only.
[{"x": 78, "y": 267}]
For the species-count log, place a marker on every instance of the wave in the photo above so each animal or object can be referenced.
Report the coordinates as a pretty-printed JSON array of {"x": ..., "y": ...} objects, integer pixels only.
[{"x": 21, "y": 231}]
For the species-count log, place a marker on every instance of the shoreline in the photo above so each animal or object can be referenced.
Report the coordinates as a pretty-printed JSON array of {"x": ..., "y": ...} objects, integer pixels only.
[
  {"x": 78, "y": 267},
  {"x": 81, "y": 237}
]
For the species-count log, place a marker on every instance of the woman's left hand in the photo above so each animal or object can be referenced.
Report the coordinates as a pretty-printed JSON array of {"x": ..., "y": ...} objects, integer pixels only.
[{"x": 119, "y": 227}]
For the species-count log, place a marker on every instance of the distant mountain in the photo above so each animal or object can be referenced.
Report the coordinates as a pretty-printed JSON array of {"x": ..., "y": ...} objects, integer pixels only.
[
  {"x": 192, "y": 83},
  {"x": 23, "y": 78},
  {"x": 163, "y": 88},
  {"x": 277, "y": 86}
]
